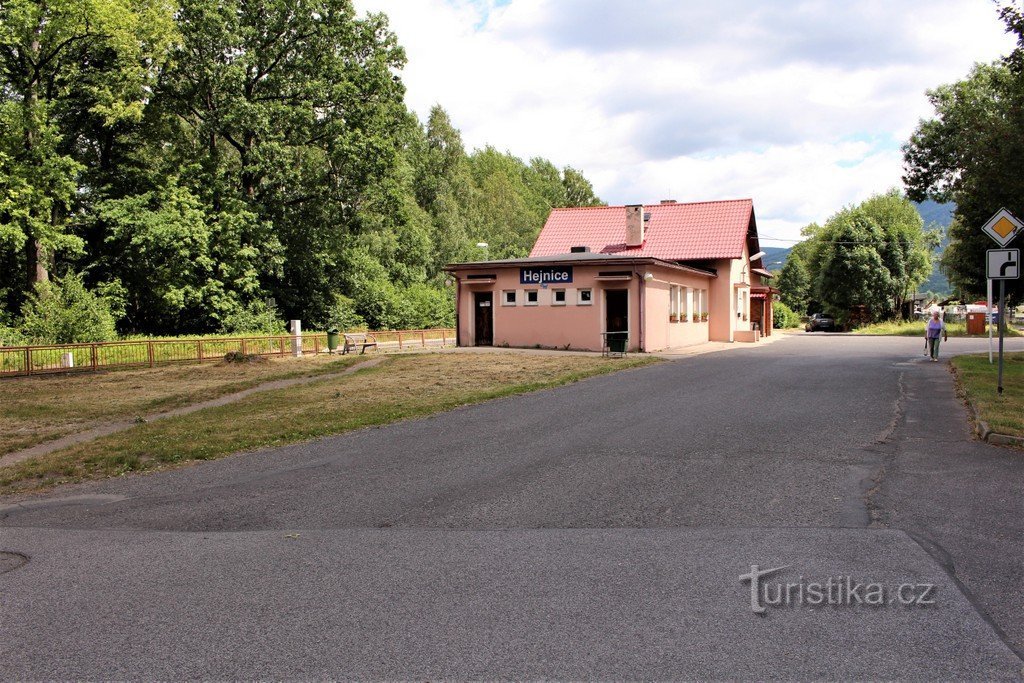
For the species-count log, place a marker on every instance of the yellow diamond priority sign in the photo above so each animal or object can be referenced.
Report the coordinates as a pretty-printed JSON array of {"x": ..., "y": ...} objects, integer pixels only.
[{"x": 1002, "y": 227}]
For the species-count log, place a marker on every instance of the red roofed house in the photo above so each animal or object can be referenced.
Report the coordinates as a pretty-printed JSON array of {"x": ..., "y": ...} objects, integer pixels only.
[{"x": 666, "y": 275}]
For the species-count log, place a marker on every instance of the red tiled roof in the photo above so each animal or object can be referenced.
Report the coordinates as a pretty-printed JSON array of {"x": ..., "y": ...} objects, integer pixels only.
[{"x": 675, "y": 232}]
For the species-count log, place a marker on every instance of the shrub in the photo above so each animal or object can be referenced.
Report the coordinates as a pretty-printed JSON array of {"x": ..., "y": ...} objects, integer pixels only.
[
  {"x": 784, "y": 316},
  {"x": 259, "y": 317},
  {"x": 65, "y": 312}
]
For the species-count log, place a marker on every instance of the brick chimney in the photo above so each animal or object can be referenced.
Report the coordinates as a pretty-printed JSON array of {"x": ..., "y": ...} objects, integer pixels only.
[{"x": 635, "y": 225}]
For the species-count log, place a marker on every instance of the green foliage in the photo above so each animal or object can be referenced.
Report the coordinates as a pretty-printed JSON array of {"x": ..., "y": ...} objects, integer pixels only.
[
  {"x": 873, "y": 255},
  {"x": 794, "y": 283},
  {"x": 208, "y": 155},
  {"x": 969, "y": 153},
  {"x": 259, "y": 317},
  {"x": 65, "y": 312},
  {"x": 343, "y": 315},
  {"x": 783, "y": 317}
]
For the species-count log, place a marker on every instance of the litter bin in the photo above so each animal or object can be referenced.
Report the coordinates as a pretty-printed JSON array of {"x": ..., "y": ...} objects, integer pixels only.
[
  {"x": 975, "y": 323},
  {"x": 333, "y": 339},
  {"x": 616, "y": 343}
]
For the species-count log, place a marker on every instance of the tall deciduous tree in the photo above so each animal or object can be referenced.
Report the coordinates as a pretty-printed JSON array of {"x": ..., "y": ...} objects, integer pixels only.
[
  {"x": 970, "y": 153},
  {"x": 295, "y": 103},
  {"x": 794, "y": 284},
  {"x": 62, "y": 61}
]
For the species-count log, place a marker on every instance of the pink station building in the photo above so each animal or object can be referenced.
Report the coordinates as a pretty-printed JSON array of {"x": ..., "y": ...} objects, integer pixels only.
[{"x": 668, "y": 275}]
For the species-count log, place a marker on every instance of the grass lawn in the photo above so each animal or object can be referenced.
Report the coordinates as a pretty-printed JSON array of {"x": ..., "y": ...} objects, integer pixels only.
[
  {"x": 403, "y": 386},
  {"x": 1004, "y": 414},
  {"x": 916, "y": 329},
  {"x": 44, "y": 407}
]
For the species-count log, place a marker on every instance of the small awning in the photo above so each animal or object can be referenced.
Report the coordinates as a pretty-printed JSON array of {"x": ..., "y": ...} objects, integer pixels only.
[
  {"x": 479, "y": 281},
  {"x": 758, "y": 295},
  {"x": 762, "y": 272},
  {"x": 614, "y": 278}
]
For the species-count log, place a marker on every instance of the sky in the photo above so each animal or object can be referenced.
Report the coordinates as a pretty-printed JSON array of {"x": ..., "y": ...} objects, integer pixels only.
[{"x": 800, "y": 105}]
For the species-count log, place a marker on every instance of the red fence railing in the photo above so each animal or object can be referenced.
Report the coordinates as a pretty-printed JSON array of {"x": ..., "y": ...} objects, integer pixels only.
[{"x": 51, "y": 358}]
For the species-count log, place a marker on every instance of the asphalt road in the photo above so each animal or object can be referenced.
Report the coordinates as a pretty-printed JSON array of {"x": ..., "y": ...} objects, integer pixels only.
[{"x": 597, "y": 530}]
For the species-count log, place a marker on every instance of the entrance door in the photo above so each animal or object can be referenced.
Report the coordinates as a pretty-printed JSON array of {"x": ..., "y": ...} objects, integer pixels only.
[
  {"x": 616, "y": 310},
  {"x": 483, "y": 305}
]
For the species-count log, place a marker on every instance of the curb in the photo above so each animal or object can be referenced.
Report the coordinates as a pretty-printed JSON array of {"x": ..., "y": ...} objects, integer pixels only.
[
  {"x": 986, "y": 434},
  {"x": 981, "y": 427}
]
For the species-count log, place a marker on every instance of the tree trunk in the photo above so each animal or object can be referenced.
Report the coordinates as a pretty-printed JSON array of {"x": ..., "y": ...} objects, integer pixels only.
[{"x": 35, "y": 260}]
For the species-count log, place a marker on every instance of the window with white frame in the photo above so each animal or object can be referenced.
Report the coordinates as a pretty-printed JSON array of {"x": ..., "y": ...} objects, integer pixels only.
[
  {"x": 508, "y": 297},
  {"x": 684, "y": 303},
  {"x": 584, "y": 297},
  {"x": 557, "y": 297},
  {"x": 673, "y": 302},
  {"x": 531, "y": 297}
]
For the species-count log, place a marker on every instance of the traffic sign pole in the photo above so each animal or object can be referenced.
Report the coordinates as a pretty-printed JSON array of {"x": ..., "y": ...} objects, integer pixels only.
[
  {"x": 1002, "y": 331},
  {"x": 988, "y": 320}
]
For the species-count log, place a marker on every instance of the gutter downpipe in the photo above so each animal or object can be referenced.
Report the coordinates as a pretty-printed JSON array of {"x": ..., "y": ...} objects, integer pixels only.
[{"x": 641, "y": 310}]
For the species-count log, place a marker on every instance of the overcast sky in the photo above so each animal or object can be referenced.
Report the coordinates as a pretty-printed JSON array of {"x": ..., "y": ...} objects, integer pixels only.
[{"x": 800, "y": 105}]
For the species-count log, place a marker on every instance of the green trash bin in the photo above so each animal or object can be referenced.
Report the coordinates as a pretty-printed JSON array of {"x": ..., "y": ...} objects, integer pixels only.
[
  {"x": 333, "y": 339},
  {"x": 617, "y": 343}
]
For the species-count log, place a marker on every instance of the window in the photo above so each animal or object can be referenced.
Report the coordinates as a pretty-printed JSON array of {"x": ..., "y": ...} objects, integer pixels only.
[
  {"x": 531, "y": 297},
  {"x": 508, "y": 297},
  {"x": 557, "y": 297},
  {"x": 673, "y": 303},
  {"x": 584, "y": 297}
]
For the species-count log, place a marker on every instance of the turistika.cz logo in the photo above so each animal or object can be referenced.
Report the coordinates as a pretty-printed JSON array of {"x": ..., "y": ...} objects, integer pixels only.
[{"x": 835, "y": 591}]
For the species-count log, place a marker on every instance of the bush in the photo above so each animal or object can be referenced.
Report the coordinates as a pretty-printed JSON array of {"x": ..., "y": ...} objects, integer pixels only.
[
  {"x": 65, "y": 312},
  {"x": 259, "y": 317},
  {"x": 784, "y": 316}
]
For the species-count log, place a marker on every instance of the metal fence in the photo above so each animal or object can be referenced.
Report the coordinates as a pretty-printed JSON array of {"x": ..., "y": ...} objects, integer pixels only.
[{"x": 53, "y": 358}]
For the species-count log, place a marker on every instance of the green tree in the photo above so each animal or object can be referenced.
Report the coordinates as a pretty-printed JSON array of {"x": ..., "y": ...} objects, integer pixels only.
[
  {"x": 62, "y": 61},
  {"x": 794, "y": 284},
  {"x": 851, "y": 271},
  {"x": 292, "y": 107},
  {"x": 578, "y": 190},
  {"x": 970, "y": 153}
]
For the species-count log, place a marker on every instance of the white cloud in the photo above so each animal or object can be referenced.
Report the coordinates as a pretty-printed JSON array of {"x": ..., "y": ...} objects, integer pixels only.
[{"x": 799, "y": 105}]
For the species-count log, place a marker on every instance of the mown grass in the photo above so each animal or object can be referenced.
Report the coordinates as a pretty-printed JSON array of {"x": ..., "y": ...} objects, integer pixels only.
[
  {"x": 401, "y": 387},
  {"x": 1004, "y": 414},
  {"x": 44, "y": 407},
  {"x": 916, "y": 329}
]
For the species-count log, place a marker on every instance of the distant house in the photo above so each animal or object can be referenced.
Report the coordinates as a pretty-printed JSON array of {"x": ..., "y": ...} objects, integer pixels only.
[{"x": 669, "y": 275}]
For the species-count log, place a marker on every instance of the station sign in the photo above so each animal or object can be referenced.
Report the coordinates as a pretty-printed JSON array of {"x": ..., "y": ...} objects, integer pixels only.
[{"x": 545, "y": 275}]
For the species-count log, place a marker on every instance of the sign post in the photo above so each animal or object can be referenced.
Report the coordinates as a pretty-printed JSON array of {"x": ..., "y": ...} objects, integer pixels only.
[
  {"x": 988, "y": 318},
  {"x": 1002, "y": 265}
]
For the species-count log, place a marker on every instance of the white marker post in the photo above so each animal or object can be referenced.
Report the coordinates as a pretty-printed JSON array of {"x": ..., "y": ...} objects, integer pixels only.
[{"x": 297, "y": 338}]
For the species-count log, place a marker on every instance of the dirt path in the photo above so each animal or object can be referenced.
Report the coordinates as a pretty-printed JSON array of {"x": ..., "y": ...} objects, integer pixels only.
[{"x": 121, "y": 425}]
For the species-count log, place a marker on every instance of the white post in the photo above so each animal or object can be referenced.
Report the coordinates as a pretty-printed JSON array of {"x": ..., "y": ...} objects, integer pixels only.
[
  {"x": 296, "y": 338},
  {"x": 988, "y": 320},
  {"x": 67, "y": 360}
]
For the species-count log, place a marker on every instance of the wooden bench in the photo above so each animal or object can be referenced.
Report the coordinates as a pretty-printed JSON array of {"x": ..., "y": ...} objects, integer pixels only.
[{"x": 364, "y": 341}]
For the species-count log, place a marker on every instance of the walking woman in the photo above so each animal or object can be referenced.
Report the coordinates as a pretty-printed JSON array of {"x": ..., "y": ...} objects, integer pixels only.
[{"x": 935, "y": 329}]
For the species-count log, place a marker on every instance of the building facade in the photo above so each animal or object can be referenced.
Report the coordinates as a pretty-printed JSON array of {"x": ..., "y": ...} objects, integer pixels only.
[{"x": 668, "y": 275}]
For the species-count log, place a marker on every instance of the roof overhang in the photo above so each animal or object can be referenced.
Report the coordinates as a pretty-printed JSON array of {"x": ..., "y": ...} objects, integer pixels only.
[{"x": 599, "y": 260}]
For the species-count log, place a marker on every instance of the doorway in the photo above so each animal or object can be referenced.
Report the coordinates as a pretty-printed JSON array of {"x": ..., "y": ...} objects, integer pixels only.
[
  {"x": 484, "y": 318},
  {"x": 616, "y": 310}
]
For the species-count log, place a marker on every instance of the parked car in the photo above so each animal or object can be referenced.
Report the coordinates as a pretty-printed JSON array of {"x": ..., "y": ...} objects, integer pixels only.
[{"x": 820, "y": 321}]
